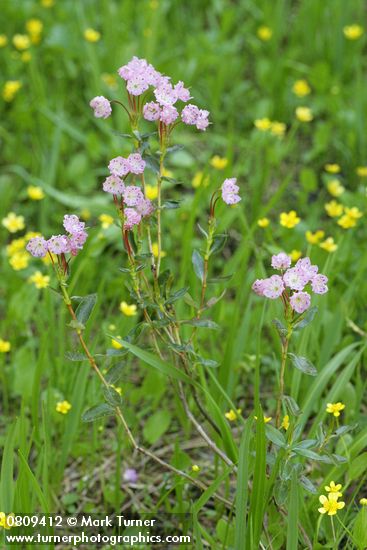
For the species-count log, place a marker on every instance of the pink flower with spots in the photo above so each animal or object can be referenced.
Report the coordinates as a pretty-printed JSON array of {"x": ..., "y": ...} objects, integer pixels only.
[
  {"x": 230, "y": 191},
  {"x": 119, "y": 166},
  {"x": 135, "y": 163},
  {"x": 273, "y": 287},
  {"x": 58, "y": 244},
  {"x": 168, "y": 114},
  {"x": 300, "y": 301},
  {"x": 319, "y": 284},
  {"x": 183, "y": 93},
  {"x": 295, "y": 279},
  {"x": 281, "y": 261},
  {"x": 305, "y": 267},
  {"x": 132, "y": 217},
  {"x": 165, "y": 94},
  {"x": 137, "y": 85},
  {"x": 190, "y": 114},
  {"x": 132, "y": 195},
  {"x": 37, "y": 247},
  {"x": 72, "y": 224},
  {"x": 76, "y": 242},
  {"x": 258, "y": 287},
  {"x": 145, "y": 207},
  {"x": 101, "y": 107},
  {"x": 113, "y": 185},
  {"x": 151, "y": 111},
  {"x": 202, "y": 121}
]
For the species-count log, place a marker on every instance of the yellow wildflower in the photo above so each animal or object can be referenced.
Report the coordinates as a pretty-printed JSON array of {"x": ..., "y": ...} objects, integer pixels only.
[
  {"x": 3, "y": 40},
  {"x": 117, "y": 389},
  {"x": 263, "y": 222},
  {"x": 334, "y": 488},
  {"x": 363, "y": 501},
  {"x": 330, "y": 504},
  {"x": 219, "y": 163},
  {"x": 332, "y": 168},
  {"x": 110, "y": 80},
  {"x": 266, "y": 418},
  {"x": 233, "y": 415},
  {"x": 167, "y": 173},
  {"x": 263, "y": 124},
  {"x": 47, "y": 3},
  {"x": 335, "y": 408},
  {"x": 329, "y": 245},
  {"x": 92, "y": 35},
  {"x": 63, "y": 407},
  {"x": 21, "y": 41},
  {"x": 155, "y": 251},
  {"x": 4, "y": 521},
  {"x": 16, "y": 245},
  {"x": 115, "y": 343},
  {"x": 347, "y": 222},
  {"x": 285, "y": 422},
  {"x": 106, "y": 220},
  {"x": 295, "y": 255},
  {"x": 353, "y": 212},
  {"x": 264, "y": 33},
  {"x": 353, "y": 32},
  {"x": 289, "y": 219},
  {"x": 304, "y": 114},
  {"x": 151, "y": 191},
  {"x": 5, "y": 346},
  {"x": 301, "y": 88},
  {"x": 19, "y": 261},
  {"x": 39, "y": 280},
  {"x": 128, "y": 310},
  {"x": 30, "y": 235},
  {"x": 34, "y": 28},
  {"x": 361, "y": 171},
  {"x": 13, "y": 223},
  {"x": 315, "y": 238},
  {"x": 278, "y": 128},
  {"x": 334, "y": 209},
  {"x": 195, "y": 468},
  {"x": 35, "y": 193},
  {"x": 200, "y": 179},
  {"x": 335, "y": 188},
  {"x": 11, "y": 87}
]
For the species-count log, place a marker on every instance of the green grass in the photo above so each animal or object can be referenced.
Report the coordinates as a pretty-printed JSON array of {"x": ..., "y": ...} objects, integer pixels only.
[{"x": 49, "y": 138}]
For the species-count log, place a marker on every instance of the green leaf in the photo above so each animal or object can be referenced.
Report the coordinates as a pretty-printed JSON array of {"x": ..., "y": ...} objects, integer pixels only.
[
  {"x": 218, "y": 243},
  {"x": 75, "y": 356},
  {"x": 292, "y": 520},
  {"x": 198, "y": 263},
  {"x": 358, "y": 466},
  {"x": 303, "y": 364},
  {"x": 156, "y": 425},
  {"x": 307, "y": 319},
  {"x": 85, "y": 308},
  {"x": 275, "y": 436},
  {"x": 281, "y": 329},
  {"x": 360, "y": 529},
  {"x": 177, "y": 295},
  {"x": 115, "y": 373},
  {"x": 112, "y": 397},
  {"x": 202, "y": 323},
  {"x": 308, "y": 485},
  {"x": 291, "y": 405},
  {"x": 242, "y": 489},
  {"x": 97, "y": 412}
]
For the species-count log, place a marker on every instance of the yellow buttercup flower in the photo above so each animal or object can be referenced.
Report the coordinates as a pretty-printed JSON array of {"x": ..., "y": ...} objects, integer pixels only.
[
  {"x": 361, "y": 171},
  {"x": 10, "y": 89},
  {"x": 21, "y": 41},
  {"x": 353, "y": 212},
  {"x": 219, "y": 163},
  {"x": 330, "y": 504},
  {"x": 329, "y": 245},
  {"x": 353, "y": 32},
  {"x": 31, "y": 235},
  {"x": 335, "y": 188},
  {"x": 63, "y": 407},
  {"x": 39, "y": 280},
  {"x": 200, "y": 179},
  {"x": 347, "y": 222},
  {"x": 264, "y": 33},
  {"x": 335, "y": 408},
  {"x": 285, "y": 422},
  {"x": 4, "y": 520},
  {"x": 263, "y": 222},
  {"x": 301, "y": 88},
  {"x": 363, "y": 501},
  {"x": 106, "y": 220},
  {"x": 3, "y": 40},
  {"x": 304, "y": 114},
  {"x": 233, "y": 415},
  {"x": 334, "y": 209},
  {"x": 332, "y": 168},
  {"x": 34, "y": 28},
  {"x": 315, "y": 238},
  {"x": 19, "y": 260},
  {"x": 195, "y": 468},
  {"x": 128, "y": 310},
  {"x": 13, "y": 223},
  {"x": 16, "y": 245},
  {"x": 155, "y": 251},
  {"x": 115, "y": 344},
  {"x": 5, "y": 346},
  {"x": 266, "y": 418},
  {"x": 334, "y": 488},
  {"x": 151, "y": 191},
  {"x": 295, "y": 255},
  {"x": 289, "y": 219},
  {"x": 263, "y": 124},
  {"x": 92, "y": 35},
  {"x": 35, "y": 193},
  {"x": 278, "y": 128}
]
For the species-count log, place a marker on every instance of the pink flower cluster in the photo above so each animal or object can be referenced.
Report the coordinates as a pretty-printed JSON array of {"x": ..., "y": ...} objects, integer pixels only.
[
  {"x": 139, "y": 76},
  {"x": 292, "y": 282},
  {"x": 71, "y": 243},
  {"x": 230, "y": 191},
  {"x": 133, "y": 164}
]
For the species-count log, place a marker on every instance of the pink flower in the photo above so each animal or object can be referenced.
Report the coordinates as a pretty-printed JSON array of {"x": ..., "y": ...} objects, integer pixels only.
[
  {"x": 190, "y": 114},
  {"x": 76, "y": 242},
  {"x": 113, "y": 185},
  {"x": 258, "y": 287},
  {"x": 281, "y": 261},
  {"x": 119, "y": 166},
  {"x": 135, "y": 163},
  {"x": 101, "y": 107},
  {"x": 140, "y": 67},
  {"x": 168, "y": 114},
  {"x": 137, "y": 85},
  {"x": 300, "y": 301},
  {"x": 295, "y": 279},
  {"x": 72, "y": 224},
  {"x": 202, "y": 121},
  {"x": 182, "y": 93},
  {"x": 165, "y": 94},
  {"x": 230, "y": 191},
  {"x": 306, "y": 269},
  {"x": 151, "y": 111},
  {"x": 130, "y": 475},
  {"x": 58, "y": 244},
  {"x": 132, "y": 217},
  {"x": 37, "y": 247},
  {"x": 273, "y": 287},
  {"x": 319, "y": 284},
  {"x": 133, "y": 195},
  {"x": 144, "y": 207}
]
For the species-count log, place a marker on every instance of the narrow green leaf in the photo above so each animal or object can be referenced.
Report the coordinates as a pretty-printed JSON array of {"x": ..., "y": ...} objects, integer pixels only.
[
  {"x": 292, "y": 529},
  {"x": 198, "y": 264},
  {"x": 75, "y": 356},
  {"x": 242, "y": 485},
  {"x": 97, "y": 412},
  {"x": 303, "y": 364},
  {"x": 85, "y": 308},
  {"x": 112, "y": 397}
]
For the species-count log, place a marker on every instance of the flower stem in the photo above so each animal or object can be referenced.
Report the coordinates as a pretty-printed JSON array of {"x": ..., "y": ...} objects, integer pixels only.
[{"x": 285, "y": 344}]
